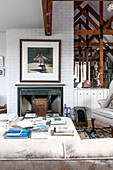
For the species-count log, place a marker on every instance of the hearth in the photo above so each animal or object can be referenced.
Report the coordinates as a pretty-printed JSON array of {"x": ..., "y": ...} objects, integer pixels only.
[{"x": 40, "y": 100}]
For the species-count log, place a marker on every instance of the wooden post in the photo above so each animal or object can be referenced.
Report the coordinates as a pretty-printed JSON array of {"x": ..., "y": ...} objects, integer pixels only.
[
  {"x": 79, "y": 64},
  {"x": 101, "y": 43},
  {"x": 79, "y": 56},
  {"x": 87, "y": 51},
  {"x": 101, "y": 61}
]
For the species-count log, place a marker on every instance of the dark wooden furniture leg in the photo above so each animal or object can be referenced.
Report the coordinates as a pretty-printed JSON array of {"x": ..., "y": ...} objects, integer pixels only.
[
  {"x": 92, "y": 120},
  {"x": 112, "y": 131}
]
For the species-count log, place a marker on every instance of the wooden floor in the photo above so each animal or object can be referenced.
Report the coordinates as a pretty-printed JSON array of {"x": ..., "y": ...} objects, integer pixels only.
[{"x": 97, "y": 124}]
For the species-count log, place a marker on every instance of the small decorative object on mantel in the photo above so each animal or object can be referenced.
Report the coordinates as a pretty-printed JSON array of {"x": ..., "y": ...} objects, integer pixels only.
[
  {"x": 40, "y": 60},
  {"x": 1, "y": 72},
  {"x": 1, "y": 61},
  {"x": 87, "y": 84}
]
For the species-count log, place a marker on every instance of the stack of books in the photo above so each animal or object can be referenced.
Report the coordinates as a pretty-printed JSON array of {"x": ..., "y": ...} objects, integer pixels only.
[
  {"x": 30, "y": 115},
  {"x": 64, "y": 131},
  {"x": 17, "y": 133},
  {"x": 58, "y": 121},
  {"x": 40, "y": 131}
]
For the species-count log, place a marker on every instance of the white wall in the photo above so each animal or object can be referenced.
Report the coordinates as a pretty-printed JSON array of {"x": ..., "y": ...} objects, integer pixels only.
[
  {"x": 3, "y": 83},
  {"x": 62, "y": 29}
]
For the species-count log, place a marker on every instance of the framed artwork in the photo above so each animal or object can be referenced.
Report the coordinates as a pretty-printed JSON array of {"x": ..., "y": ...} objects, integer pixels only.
[
  {"x": 1, "y": 61},
  {"x": 1, "y": 72},
  {"x": 40, "y": 60}
]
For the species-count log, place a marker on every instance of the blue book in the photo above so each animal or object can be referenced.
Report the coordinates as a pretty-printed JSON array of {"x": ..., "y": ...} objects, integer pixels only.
[
  {"x": 23, "y": 134},
  {"x": 14, "y": 131},
  {"x": 57, "y": 119}
]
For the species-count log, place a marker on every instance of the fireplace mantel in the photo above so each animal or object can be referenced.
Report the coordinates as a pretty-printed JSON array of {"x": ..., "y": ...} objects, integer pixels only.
[{"x": 53, "y": 85}]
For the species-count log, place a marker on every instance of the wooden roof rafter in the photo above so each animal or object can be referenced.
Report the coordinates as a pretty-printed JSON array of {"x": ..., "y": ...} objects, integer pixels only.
[
  {"x": 88, "y": 17},
  {"x": 47, "y": 16},
  {"x": 82, "y": 22},
  {"x": 80, "y": 0},
  {"x": 95, "y": 15}
]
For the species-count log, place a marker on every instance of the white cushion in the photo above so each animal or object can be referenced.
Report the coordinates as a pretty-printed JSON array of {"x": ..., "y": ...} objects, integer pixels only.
[
  {"x": 90, "y": 148},
  {"x": 14, "y": 148}
]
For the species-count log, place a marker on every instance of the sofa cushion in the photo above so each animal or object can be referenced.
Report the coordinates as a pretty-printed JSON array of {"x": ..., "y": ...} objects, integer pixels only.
[
  {"x": 105, "y": 112},
  {"x": 22, "y": 148},
  {"x": 90, "y": 148}
]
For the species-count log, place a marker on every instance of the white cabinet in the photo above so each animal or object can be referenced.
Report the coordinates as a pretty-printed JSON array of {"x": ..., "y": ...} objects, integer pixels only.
[{"x": 88, "y": 98}]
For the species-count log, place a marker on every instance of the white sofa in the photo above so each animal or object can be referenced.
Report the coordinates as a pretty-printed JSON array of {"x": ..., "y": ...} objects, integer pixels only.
[{"x": 105, "y": 112}]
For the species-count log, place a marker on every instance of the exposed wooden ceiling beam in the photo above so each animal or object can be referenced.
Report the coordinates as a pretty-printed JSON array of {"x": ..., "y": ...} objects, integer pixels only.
[
  {"x": 88, "y": 17},
  {"x": 93, "y": 12},
  {"x": 80, "y": 0},
  {"x": 47, "y": 16},
  {"x": 93, "y": 37},
  {"x": 77, "y": 44},
  {"x": 84, "y": 24},
  {"x": 44, "y": 6},
  {"x": 79, "y": 14},
  {"x": 92, "y": 32},
  {"x": 93, "y": 50},
  {"x": 81, "y": 38},
  {"x": 108, "y": 23},
  {"x": 76, "y": 4}
]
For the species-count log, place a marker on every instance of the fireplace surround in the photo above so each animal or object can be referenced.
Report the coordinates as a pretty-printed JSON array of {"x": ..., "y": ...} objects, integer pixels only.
[{"x": 26, "y": 95}]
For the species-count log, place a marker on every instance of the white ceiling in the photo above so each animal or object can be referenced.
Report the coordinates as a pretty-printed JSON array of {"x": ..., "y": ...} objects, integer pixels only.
[{"x": 20, "y": 14}]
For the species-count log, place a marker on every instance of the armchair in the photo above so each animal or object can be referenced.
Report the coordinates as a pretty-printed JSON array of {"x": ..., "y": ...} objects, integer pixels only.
[{"x": 104, "y": 113}]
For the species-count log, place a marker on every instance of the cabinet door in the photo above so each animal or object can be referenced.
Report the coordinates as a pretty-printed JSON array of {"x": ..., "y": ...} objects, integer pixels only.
[
  {"x": 100, "y": 95},
  {"x": 87, "y": 102},
  {"x": 105, "y": 93},
  {"x": 80, "y": 98},
  {"x": 94, "y": 99},
  {"x": 87, "y": 99}
]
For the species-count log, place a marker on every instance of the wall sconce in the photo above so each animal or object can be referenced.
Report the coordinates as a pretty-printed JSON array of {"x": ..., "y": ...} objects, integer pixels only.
[{"x": 110, "y": 7}]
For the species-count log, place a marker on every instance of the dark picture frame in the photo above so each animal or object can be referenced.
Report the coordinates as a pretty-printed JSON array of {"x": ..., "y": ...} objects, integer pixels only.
[{"x": 40, "y": 60}]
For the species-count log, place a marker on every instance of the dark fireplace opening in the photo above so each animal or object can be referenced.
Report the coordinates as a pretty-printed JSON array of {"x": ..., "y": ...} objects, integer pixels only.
[{"x": 40, "y": 100}]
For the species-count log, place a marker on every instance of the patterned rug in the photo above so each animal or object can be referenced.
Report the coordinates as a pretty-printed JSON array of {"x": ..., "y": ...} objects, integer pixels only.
[{"x": 86, "y": 133}]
